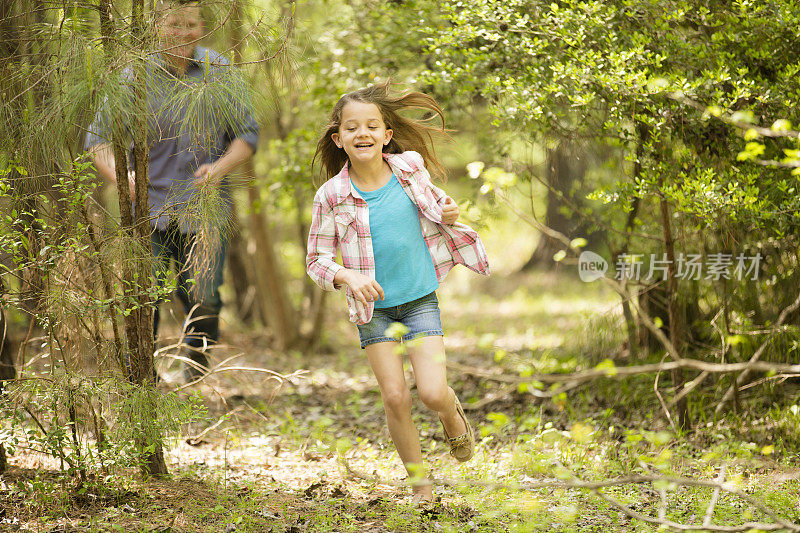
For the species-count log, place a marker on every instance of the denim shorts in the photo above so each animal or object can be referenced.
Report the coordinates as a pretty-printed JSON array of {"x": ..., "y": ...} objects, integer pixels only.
[{"x": 420, "y": 316}]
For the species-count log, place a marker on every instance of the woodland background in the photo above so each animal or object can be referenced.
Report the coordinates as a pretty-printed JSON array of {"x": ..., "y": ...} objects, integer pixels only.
[{"x": 658, "y": 129}]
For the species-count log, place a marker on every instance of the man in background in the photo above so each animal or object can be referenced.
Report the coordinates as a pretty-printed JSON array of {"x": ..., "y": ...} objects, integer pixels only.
[{"x": 199, "y": 130}]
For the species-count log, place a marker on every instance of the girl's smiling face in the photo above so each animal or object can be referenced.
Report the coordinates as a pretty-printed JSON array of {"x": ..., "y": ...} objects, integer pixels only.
[{"x": 362, "y": 132}]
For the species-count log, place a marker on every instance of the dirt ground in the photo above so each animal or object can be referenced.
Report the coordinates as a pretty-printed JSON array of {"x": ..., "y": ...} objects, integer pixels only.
[{"x": 273, "y": 455}]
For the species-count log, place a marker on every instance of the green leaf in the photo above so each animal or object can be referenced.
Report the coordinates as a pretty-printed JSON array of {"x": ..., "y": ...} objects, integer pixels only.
[
  {"x": 743, "y": 116},
  {"x": 551, "y": 436},
  {"x": 735, "y": 340},
  {"x": 581, "y": 433},
  {"x": 608, "y": 367},
  {"x": 396, "y": 330},
  {"x": 501, "y": 419},
  {"x": 660, "y": 438},
  {"x": 343, "y": 446},
  {"x": 662, "y": 484},
  {"x": 781, "y": 125},
  {"x": 656, "y": 85},
  {"x": 474, "y": 169},
  {"x": 562, "y": 473},
  {"x": 750, "y": 135}
]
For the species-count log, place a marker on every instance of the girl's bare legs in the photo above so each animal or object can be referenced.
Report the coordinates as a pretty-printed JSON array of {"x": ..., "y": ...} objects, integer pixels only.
[
  {"x": 430, "y": 370},
  {"x": 388, "y": 369}
]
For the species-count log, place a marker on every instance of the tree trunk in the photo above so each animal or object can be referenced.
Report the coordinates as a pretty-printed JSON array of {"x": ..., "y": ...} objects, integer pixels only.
[
  {"x": 136, "y": 227},
  {"x": 143, "y": 360},
  {"x": 274, "y": 302},
  {"x": 14, "y": 52},
  {"x": 7, "y": 372},
  {"x": 631, "y": 325},
  {"x": 675, "y": 322},
  {"x": 317, "y": 313},
  {"x": 17, "y": 54},
  {"x": 245, "y": 304},
  {"x": 564, "y": 168},
  {"x": 273, "y": 297},
  {"x": 242, "y": 281},
  {"x": 9, "y": 52}
]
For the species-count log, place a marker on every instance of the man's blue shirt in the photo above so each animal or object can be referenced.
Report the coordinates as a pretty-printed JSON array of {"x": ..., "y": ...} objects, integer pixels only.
[{"x": 191, "y": 122}]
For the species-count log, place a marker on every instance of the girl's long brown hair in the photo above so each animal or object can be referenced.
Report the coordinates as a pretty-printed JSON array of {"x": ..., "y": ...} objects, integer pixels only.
[{"x": 409, "y": 134}]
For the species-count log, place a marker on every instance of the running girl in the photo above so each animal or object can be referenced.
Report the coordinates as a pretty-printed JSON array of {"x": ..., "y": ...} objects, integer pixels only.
[{"x": 398, "y": 238}]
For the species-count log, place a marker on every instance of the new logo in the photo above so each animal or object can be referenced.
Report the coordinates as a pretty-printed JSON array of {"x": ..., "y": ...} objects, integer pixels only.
[{"x": 591, "y": 266}]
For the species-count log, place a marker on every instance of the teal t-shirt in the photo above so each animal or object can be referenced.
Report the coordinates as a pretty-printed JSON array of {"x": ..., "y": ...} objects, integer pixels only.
[{"x": 403, "y": 263}]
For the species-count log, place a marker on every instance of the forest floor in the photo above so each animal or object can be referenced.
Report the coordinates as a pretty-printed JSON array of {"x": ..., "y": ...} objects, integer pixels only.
[{"x": 272, "y": 456}]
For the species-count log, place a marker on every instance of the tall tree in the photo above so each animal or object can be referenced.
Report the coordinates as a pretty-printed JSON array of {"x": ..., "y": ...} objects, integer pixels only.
[
  {"x": 135, "y": 225},
  {"x": 692, "y": 74}
]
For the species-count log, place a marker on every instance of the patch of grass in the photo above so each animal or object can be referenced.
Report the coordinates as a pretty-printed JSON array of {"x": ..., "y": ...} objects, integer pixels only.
[{"x": 273, "y": 466}]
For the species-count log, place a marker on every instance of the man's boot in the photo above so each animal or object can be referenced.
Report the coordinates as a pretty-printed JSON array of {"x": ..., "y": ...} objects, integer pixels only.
[
  {"x": 202, "y": 330},
  {"x": 192, "y": 372}
]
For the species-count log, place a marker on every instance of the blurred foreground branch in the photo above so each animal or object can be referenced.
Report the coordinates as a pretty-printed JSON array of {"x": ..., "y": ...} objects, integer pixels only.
[
  {"x": 595, "y": 487},
  {"x": 775, "y": 369}
]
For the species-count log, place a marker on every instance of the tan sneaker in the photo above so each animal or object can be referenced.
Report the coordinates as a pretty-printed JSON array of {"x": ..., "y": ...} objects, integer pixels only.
[{"x": 462, "y": 447}]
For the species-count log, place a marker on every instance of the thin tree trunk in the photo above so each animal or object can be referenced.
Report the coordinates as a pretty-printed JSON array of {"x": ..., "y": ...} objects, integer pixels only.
[
  {"x": 269, "y": 278},
  {"x": 563, "y": 170},
  {"x": 236, "y": 245},
  {"x": 317, "y": 313},
  {"x": 155, "y": 464},
  {"x": 239, "y": 274},
  {"x": 630, "y": 322},
  {"x": 18, "y": 54},
  {"x": 274, "y": 303},
  {"x": 141, "y": 161},
  {"x": 7, "y": 370},
  {"x": 136, "y": 272},
  {"x": 643, "y": 135},
  {"x": 675, "y": 322}
]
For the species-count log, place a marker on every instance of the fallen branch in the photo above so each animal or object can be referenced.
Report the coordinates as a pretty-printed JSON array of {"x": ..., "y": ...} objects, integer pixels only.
[
  {"x": 197, "y": 439},
  {"x": 747, "y": 526},
  {"x": 714, "y": 498},
  {"x": 778, "y": 370},
  {"x": 221, "y": 368}
]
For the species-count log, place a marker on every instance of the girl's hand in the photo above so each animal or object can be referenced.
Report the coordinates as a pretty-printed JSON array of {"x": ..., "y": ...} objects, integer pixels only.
[
  {"x": 365, "y": 289},
  {"x": 449, "y": 211}
]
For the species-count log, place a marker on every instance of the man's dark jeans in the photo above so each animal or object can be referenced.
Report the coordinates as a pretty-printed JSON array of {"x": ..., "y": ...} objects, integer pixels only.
[{"x": 195, "y": 288}]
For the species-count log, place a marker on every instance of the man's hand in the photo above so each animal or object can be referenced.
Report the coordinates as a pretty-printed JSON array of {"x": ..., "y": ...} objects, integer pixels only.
[
  {"x": 103, "y": 157},
  {"x": 449, "y": 211},
  {"x": 365, "y": 289},
  {"x": 206, "y": 175},
  {"x": 211, "y": 174}
]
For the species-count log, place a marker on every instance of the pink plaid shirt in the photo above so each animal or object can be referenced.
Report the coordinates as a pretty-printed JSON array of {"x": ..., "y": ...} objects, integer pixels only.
[{"x": 341, "y": 222}]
